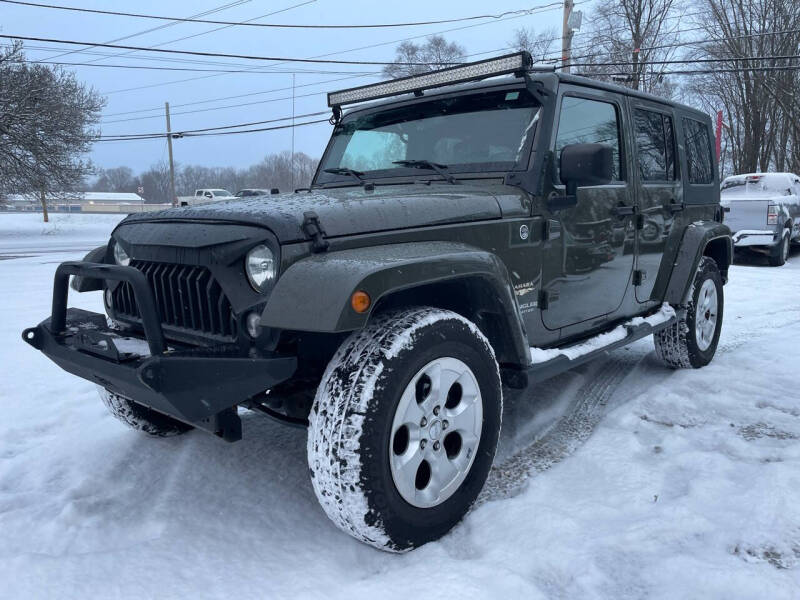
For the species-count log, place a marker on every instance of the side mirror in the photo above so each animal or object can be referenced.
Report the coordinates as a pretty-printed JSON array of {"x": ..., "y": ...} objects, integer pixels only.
[
  {"x": 586, "y": 165},
  {"x": 208, "y": 195}
]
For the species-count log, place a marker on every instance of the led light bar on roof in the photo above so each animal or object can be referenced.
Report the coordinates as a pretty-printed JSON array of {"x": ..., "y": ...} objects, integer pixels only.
[{"x": 511, "y": 63}]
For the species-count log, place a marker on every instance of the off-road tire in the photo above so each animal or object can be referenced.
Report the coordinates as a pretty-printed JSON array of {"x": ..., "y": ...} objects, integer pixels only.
[
  {"x": 140, "y": 417},
  {"x": 780, "y": 251},
  {"x": 676, "y": 345},
  {"x": 351, "y": 419}
]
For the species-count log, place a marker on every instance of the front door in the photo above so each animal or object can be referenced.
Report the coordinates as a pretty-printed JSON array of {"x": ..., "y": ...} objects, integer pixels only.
[
  {"x": 589, "y": 255},
  {"x": 660, "y": 195}
]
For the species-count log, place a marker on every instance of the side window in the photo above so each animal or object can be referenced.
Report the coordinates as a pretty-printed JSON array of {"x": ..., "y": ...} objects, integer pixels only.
[
  {"x": 698, "y": 152},
  {"x": 371, "y": 150},
  {"x": 655, "y": 145},
  {"x": 584, "y": 121}
]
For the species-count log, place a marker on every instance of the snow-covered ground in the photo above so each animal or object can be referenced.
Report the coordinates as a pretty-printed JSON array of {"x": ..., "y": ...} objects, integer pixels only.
[
  {"x": 619, "y": 480},
  {"x": 26, "y": 233}
]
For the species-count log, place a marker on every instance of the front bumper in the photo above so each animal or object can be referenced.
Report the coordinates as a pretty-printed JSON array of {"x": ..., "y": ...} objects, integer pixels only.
[
  {"x": 200, "y": 387},
  {"x": 748, "y": 237}
]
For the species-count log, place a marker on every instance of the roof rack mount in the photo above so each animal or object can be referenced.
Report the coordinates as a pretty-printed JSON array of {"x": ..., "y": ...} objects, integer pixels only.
[{"x": 518, "y": 63}]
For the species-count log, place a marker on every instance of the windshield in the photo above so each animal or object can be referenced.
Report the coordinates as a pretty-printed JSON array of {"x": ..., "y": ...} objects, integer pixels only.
[
  {"x": 481, "y": 132},
  {"x": 221, "y": 192}
]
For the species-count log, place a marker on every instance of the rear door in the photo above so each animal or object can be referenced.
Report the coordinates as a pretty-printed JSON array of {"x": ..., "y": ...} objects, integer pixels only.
[
  {"x": 660, "y": 195},
  {"x": 589, "y": 256}
]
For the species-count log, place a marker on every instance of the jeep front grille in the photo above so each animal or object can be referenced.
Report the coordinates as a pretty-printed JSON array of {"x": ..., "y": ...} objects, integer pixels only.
[{"x": 188, "y": 298}]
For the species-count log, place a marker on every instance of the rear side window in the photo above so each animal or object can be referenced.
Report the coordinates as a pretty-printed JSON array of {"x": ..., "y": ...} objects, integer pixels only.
[
  {"x": 584, "y": 121},
  {"x": 698, "y": 152},
  {"x": 655, "y": 145}
]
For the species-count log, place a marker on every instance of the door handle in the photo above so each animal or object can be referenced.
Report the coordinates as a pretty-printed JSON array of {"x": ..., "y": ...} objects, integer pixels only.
[
  {"x": 674, "y": 207},
  {"x": 623, "y": 211}
]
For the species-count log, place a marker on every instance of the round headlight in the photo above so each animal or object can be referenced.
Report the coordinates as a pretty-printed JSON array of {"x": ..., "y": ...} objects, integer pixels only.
[
  {"x": 120, "y": 256},
  {"x": 260, "y": 268}
]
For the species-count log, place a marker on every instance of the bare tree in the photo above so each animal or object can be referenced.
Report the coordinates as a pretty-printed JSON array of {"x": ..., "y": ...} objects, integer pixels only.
[
  {"x": 118, "y": 179},
  {"x": 47, "y": 125},
  {"x": 539, "y": 45},
  {"x": 155, "y": 182},
  {"x": 628, "y": 40},
  {"x": 758, "y": 96},
  {"x": 413, "y": 59},
  {"x": 274, "y": 171}
]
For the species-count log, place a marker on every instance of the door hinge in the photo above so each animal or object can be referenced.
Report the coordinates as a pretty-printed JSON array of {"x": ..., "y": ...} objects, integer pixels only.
[
  {"x": 639, "y": 277},
  {"x": 546, "y": 298},
  {"x": 314, "y": 231},
  {"x": 546, "y": 230}
]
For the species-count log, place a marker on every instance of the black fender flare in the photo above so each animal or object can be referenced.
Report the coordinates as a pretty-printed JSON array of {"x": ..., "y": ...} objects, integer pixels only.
[
  {"x": 89, "y": 284},
  {"x": 314, "y": 293},
  {"x": 702, "y": 238}
]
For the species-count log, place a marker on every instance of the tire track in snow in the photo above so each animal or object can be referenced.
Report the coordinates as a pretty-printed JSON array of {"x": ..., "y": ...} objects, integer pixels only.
[
  {"x": 508, "y": 477},
  {"x": 570, "y": 432},
  {"x": 766, "y": 324}
]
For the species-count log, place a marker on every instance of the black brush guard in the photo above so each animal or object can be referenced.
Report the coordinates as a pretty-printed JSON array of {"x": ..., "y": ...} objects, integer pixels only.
[{"x": 196, "y": 386}]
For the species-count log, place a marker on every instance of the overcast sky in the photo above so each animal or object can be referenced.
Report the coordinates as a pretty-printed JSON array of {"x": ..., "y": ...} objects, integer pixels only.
[{"x": 135, "y": 90}]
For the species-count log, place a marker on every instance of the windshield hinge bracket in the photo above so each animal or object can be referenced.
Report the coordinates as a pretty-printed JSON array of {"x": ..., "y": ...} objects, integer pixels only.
[
  {"x": 314, "y": 231},
  {"x": 336, "y": 117}
]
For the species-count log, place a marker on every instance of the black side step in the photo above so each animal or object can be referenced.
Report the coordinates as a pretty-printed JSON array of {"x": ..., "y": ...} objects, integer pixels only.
[{"x": 550, "y": 368}]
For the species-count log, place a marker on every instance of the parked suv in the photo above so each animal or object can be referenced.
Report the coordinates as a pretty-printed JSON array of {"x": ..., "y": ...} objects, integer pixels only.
[
  {"x": 478, "y": 228},
  {"x": 763, "y": 213}
]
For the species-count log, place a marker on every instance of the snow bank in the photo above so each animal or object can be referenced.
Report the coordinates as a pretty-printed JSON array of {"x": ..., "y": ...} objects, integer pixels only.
[{"x": 27, "y": 233}]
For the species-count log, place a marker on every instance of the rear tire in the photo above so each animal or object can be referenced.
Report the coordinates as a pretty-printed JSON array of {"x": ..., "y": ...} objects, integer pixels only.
[
  {"x": 389, "y": 387},
  {"x": 140, "y": 417},
  {"x": 780, "y": 251},
  {"x": 691, "y": 342}
]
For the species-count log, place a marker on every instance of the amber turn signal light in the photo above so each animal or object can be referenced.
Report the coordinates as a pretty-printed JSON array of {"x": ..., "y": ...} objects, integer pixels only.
[{"x": 360, "y": 301}]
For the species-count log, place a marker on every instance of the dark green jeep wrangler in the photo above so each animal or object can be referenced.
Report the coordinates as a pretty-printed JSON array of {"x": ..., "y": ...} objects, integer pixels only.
[{"x": 480, "y": 227}]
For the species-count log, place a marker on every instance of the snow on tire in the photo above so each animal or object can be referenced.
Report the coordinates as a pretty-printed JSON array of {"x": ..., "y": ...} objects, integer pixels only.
[
  {"x": 691, "y": 342},
  {"x": 140, "y": 417},
  {"x": 420, "y": 383}
]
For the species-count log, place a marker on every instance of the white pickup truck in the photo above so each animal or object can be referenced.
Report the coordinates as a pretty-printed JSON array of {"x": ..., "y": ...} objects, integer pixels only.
[
  {"x": 205, "y": 196},
  {"x": 763, "y": 212}
]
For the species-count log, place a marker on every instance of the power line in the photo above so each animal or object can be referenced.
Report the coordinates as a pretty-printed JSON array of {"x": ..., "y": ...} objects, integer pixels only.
[
  {"x": 543, "y": 8},
  {"x": 271, "y": 25},
  {"x": 220, "y": 127},
  {"x": 194, "y": 35},
  {"x": 212, "y": 54},
  {"x": 216, "y": 133},
  {"x": 186, "y": 69},
  {"x": 160, "y": 27},
  {"x": 247, "y": 95},
  {"x": 703, "y": 71},
  {"x": 193, "y": 112},
  {"x": 685, "y": 62}
]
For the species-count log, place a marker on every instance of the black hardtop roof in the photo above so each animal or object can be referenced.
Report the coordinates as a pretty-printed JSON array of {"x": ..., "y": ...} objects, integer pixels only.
[{"x": 549, "y": 80}]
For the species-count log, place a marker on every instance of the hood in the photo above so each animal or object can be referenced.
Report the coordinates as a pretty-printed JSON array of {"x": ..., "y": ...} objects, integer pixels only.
[{"x": 346, "y": 211}]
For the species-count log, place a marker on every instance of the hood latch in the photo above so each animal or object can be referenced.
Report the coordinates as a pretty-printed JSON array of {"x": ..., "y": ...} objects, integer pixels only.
[{"x": 314, "y": 231}]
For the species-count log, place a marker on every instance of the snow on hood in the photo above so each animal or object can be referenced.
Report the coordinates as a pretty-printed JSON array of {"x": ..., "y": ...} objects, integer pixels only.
[{"x": 346, "y": 211}]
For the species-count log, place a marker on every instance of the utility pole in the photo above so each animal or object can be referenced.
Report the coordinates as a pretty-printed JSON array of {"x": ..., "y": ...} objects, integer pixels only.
[
  {"x": 174, "y": 199},
  {"x": 572, "y": 22},
  {"x": 292, "y": 165}
]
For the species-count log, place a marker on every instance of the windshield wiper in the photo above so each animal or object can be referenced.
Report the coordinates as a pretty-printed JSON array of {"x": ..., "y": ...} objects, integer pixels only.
[
  {"x": 357, "y": 175},
  {"x": 426, "y": 164}
]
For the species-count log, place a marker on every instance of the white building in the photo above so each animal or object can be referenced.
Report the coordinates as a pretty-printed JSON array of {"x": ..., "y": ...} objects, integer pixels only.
[{"x": 99, "y": 202}]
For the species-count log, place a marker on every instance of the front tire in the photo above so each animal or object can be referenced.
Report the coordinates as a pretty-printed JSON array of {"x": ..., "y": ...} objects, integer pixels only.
[
  {"x": 404, "y": 427},
  {"x": 691, "y": 341},
  {"x": 141, "y": 418}
]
